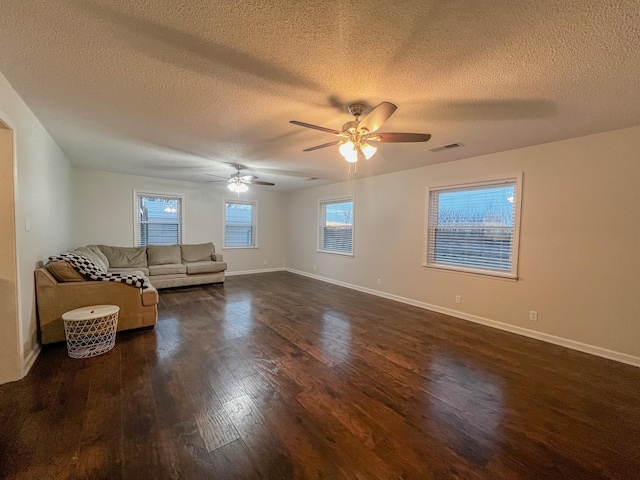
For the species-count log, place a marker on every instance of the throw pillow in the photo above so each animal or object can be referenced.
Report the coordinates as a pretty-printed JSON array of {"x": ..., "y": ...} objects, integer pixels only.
[{"x": 64, "y": 272}]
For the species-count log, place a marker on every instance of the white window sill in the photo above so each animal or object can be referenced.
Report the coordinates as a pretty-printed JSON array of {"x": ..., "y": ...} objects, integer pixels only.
[
  {"x": 255, "y": 247},
  {"x": 329, "y": 252},
  {"x": 476, "y": 273}
]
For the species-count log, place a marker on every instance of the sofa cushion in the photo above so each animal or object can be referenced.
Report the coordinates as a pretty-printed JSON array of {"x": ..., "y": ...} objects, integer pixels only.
[
  {"x": 205, "y": 267},
  {"x": 197, "y": 253},
  {"x": 167, "y": 269},
  {"x": 163, "y": 254},
  {"x": 64, "y": 272},
  {"x": 131, "y": 271},
  {"x": 138, "y": 272},
  {"x": 84, "y": 251},
  {"x": 96, "y": 250},
  {"x": 127, "y": 257}
]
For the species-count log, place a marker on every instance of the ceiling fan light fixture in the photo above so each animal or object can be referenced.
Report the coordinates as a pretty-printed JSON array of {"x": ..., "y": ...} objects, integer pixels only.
[
  {"x": 237, "y": 187},
  {"x": 349, "y": 151},
  {"x": 368, "y": 150}
]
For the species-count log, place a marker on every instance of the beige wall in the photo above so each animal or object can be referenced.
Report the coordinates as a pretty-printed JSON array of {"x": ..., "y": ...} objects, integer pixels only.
[
  {"x": 43, "y": 203},
  {"x": 103, "y": 214},
  {"x": 579, "y": 236}
]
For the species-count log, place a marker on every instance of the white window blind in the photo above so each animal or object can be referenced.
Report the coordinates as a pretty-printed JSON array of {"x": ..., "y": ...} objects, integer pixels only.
[
  {"x": 474, "y": 228},
  {"x": 158, "y": 219},
  {"x": 336, "y": 226},
  {"x": 239, "y": 224}
]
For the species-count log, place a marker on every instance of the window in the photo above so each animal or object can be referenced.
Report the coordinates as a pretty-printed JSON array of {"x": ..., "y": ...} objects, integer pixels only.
[
  {"x": 474, "y": 228},
  {"x": 239, "y": 224},
  {"x": 336, "y": 226},
  {"x": 158, "y": 219}
]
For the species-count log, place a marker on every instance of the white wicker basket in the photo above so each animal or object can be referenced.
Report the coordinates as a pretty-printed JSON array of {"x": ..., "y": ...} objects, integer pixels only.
[{"x": 91, "y": 331}]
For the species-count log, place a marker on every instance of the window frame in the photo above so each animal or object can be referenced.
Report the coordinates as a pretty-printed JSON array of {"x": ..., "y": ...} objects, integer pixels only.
[
  {"x": 485, "y": 272},
  {"x": 136, "y": 213},
  {"x": 326, "y": 201},
  {"x": 254, "y": 223}
]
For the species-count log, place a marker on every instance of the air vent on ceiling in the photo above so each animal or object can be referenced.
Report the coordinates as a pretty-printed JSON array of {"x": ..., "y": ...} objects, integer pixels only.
[
  {"x": 311, "y": 179},
  {"x": 446, "y": 147}
]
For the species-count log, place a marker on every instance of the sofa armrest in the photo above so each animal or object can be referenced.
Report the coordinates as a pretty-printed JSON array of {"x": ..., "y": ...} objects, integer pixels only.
[
  {"x": 216, "y": 257},
  {"x": 137, "y": 308}
]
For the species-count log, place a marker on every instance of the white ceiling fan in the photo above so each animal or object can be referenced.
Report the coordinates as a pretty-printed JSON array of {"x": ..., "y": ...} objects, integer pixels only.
[
  {"x": 237, "y": 182},
  {"x": 356, "y": 135}
]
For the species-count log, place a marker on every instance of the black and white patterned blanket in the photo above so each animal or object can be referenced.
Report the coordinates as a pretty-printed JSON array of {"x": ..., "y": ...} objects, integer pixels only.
[{"x": 86, "y": 266}]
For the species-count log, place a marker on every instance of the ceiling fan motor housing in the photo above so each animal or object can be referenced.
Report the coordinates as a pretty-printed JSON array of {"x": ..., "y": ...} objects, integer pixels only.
[{"x": 356, "y": 109}]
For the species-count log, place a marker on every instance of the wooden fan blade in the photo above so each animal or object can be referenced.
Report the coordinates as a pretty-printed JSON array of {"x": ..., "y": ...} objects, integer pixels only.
[
  {"x": 212, "y": 175},
  {"x": 248, "y": 178},
  {"x": 315, "y": 127},
  {"x": 216, "y": 181},
  {"x": 398, "y": 137},
  {"x": 260, "y": 182},
  {"x": 377, "y": 117},
  {"x": 324, "y": 145}
]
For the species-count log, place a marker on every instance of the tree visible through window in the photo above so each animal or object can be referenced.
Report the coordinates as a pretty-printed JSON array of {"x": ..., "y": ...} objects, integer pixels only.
[
  {"x": 474, "y": 228},
  {"x": 239, "y": 224},
  {"x": 158, "y": 219},
  {"x": 336, "y": 226}
]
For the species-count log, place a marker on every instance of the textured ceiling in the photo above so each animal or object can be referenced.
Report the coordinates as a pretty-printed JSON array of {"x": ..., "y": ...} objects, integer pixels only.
[{"x": 177, "y": 89}]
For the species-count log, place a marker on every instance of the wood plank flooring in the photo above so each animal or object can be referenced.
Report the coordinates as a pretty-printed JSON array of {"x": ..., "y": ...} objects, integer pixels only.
[{"x": 280, "y": 376}]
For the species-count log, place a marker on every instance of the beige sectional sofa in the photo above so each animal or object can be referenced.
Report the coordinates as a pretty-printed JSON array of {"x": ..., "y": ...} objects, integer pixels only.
[
  {"x": 166, "y": 265},
  {"x": 60, "y": 287}
]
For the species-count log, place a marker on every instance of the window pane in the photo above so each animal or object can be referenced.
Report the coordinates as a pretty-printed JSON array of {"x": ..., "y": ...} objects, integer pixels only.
[
  {"x": 238, "y": 236},
  {"x": 338, "y": 239},
  {"x": 160, "y": 234},
  {"x": 239, "y": 224},
  {"x": 160, "y": 209},
  {"x": 482, "y": 206},
  {"x": 338, "y": 214},
  {"x": 336, "y": 226},
  {"x": 239, "y": 213},
  {"x": 473, "y": 227},
  {"x": 159, "y": 220},
  {"x": 475, "y": 248}
]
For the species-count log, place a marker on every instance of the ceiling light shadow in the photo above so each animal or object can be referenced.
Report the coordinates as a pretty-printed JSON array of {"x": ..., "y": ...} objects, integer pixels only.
[
  {"x": 484, "y": 110},
  {"x": 191, "y": 52}
]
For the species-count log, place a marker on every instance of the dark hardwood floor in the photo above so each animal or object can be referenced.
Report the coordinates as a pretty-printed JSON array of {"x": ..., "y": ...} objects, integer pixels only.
[{"x": 280, "y": 376}]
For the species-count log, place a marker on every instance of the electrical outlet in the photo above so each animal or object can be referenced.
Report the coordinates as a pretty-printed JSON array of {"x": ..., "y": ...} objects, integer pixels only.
[
  {"x": 533, "y": 316},
  {"x": 458, "y": 299},
  {"x": 379, "y": 281},
  {"x": 265, "y": 262},
  {"x": 314, "y": 268}
]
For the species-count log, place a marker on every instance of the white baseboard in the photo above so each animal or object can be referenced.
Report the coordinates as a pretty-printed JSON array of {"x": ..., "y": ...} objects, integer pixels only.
[
  {"x": 248, "y": 272},
  {"x": 29, "y": 361},
  {"x": 563, "y": 342}
]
